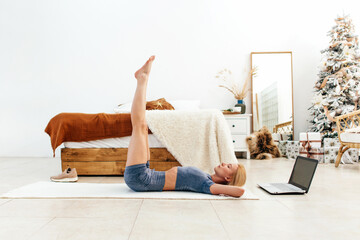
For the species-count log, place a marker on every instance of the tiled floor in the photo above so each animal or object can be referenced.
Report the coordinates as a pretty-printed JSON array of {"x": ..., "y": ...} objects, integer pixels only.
[{"x": 331, "y": 210}]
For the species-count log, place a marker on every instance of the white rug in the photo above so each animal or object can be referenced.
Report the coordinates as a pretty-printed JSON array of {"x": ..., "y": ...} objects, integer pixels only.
[{"x": 106, "y": 190}]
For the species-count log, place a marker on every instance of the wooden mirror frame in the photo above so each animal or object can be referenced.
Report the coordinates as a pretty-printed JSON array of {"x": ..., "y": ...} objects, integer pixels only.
[{"x": 292, "y": 90}]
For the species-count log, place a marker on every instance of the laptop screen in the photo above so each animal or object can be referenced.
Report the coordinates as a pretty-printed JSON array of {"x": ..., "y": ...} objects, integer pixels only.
[{"x": 303, "y": 172}]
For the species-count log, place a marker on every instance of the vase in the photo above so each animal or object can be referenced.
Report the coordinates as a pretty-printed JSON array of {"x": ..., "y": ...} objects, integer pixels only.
[{"x": 242, "y": 105}]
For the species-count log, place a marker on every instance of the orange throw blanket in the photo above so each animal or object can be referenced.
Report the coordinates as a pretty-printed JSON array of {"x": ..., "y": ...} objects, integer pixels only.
[{"x": 79, "y": 127}]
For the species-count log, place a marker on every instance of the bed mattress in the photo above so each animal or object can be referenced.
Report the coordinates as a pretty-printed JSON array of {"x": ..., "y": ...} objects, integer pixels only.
[{"x": 121, "y": 142}]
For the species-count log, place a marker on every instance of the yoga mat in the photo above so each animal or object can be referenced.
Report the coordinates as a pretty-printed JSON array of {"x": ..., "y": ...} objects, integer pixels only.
[{"x": 106, "y": 190}]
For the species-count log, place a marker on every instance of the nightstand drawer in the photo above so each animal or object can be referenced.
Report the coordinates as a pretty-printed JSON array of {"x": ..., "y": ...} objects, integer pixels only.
[
  {"x": 237, "y": 126},
  {"x": 239, "y": 141}
]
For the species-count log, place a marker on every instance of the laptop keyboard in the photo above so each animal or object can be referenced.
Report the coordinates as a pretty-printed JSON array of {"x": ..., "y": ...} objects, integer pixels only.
[{"x": 284, "y": 187}]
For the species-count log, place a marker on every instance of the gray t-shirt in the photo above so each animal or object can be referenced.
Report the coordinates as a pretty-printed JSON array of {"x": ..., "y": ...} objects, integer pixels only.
[{"x": 193, "y": 179}]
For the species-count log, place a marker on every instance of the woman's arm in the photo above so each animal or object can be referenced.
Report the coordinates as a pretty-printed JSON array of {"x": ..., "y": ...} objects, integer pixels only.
[{"x": 233, "y": 191}]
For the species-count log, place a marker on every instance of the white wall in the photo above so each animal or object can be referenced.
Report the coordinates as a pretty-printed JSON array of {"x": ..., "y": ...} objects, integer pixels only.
[{"x": 80, "y": 55}]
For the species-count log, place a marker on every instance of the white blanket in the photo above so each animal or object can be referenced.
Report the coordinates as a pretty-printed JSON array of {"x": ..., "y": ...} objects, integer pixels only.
[{"x": 199, "y": 138}]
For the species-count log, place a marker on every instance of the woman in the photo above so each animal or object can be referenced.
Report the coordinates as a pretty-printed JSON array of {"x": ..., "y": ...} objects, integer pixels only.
[{"x": 139, "y": 177}]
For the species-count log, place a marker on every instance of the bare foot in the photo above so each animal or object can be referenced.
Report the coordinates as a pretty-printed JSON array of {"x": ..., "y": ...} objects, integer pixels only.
[{"x": 143, "y": 73}]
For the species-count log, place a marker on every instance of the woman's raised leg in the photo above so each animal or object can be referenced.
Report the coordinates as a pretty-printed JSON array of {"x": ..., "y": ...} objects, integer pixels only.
[{"x": 138, "y": 151}]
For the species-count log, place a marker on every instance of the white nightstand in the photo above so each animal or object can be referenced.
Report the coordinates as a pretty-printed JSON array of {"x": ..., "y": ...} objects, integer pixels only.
[{"x": 239, "y": 125}]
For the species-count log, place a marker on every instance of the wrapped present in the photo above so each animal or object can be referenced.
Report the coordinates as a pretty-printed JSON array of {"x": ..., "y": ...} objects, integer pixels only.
[
  {"x": 350, "y": 156},
  {"x": 330, "y": 154},
  {"x": 280, "y": 140},
  {"x": 331, "y": 150},
  {"x": 286, "y": 136},
  {"x": 282, "y": 147},
  {"x": 310, "y": 146},
  {"x": 292, "y": 149},
  {"x": 331, "y": 142},
  {"x": 314, "y": 153},
  {"x": 277, "y": 137},
  {"x": 310, "y": 139}
]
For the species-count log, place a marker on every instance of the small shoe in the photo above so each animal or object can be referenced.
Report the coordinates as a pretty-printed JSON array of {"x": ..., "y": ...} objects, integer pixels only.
[{"x": 69, "y": 175}]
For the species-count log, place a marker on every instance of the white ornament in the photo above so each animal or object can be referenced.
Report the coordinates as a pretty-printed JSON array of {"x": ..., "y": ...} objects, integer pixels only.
[
  {"x": 351, "y": 83},
  {"x": 317, "y": 100},
  {"x": 337, "y": 90}
]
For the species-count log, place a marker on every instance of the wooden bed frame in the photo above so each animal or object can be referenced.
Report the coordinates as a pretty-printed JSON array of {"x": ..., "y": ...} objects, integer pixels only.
[{"x": 111, "y": 161}]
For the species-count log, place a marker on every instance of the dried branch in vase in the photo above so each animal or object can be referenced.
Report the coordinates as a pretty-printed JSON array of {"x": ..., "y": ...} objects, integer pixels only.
[{"x": 235, "y": 88}]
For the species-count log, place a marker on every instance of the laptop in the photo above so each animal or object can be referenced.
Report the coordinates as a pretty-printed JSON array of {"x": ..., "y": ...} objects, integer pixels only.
[{"x": 300, "y": 179}]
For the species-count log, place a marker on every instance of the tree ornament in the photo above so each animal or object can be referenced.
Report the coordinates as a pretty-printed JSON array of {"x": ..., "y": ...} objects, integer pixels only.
[
  {"x": 338, "y": 111},
  {"x": 338, "y": 89},
  {"x": 357, "y": 75}
]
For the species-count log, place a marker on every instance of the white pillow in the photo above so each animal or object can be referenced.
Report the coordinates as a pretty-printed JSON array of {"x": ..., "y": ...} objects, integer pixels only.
[
  {"x": 177, "y": 104},
  {"x": 185, "y": 104},
  {"x": 353, "y": 130},
  {"x": 123, "y": 108}
]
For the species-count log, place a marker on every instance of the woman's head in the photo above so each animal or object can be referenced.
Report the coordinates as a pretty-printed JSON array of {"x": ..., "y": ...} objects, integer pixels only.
[
  {"x": 233, "y": 174},
  {"x": 239, "y": 177}
]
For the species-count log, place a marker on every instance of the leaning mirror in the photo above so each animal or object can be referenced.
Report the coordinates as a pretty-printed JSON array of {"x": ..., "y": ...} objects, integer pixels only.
[{"x": 272, "y": 93}]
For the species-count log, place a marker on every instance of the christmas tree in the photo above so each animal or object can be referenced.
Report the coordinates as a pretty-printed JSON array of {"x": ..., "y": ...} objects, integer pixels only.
[{"x": 337, "y": 87}]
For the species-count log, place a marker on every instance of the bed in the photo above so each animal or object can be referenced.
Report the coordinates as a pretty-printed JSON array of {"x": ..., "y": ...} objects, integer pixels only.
[{"x": 96, "y": 144}]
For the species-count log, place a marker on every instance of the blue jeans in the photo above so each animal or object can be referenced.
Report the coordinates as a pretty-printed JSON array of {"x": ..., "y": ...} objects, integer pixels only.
[{"x": 141, "y": 178}]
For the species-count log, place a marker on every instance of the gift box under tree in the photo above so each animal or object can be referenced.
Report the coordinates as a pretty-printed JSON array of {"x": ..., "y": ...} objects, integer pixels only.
[
  {"x": 314, "y": 153},
  {"x": 277, "y": 137},
  {"x": 292, "y": 149},
  {"x": 331, "y": 150},
  {"x": 281, "y": 139},
  {"x": 282, "y": 147},
  {"x": 310, "y": 146}
]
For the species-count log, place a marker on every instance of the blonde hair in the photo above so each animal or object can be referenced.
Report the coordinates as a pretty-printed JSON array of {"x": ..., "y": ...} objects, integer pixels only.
[{"x": 239, "y": 178}]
